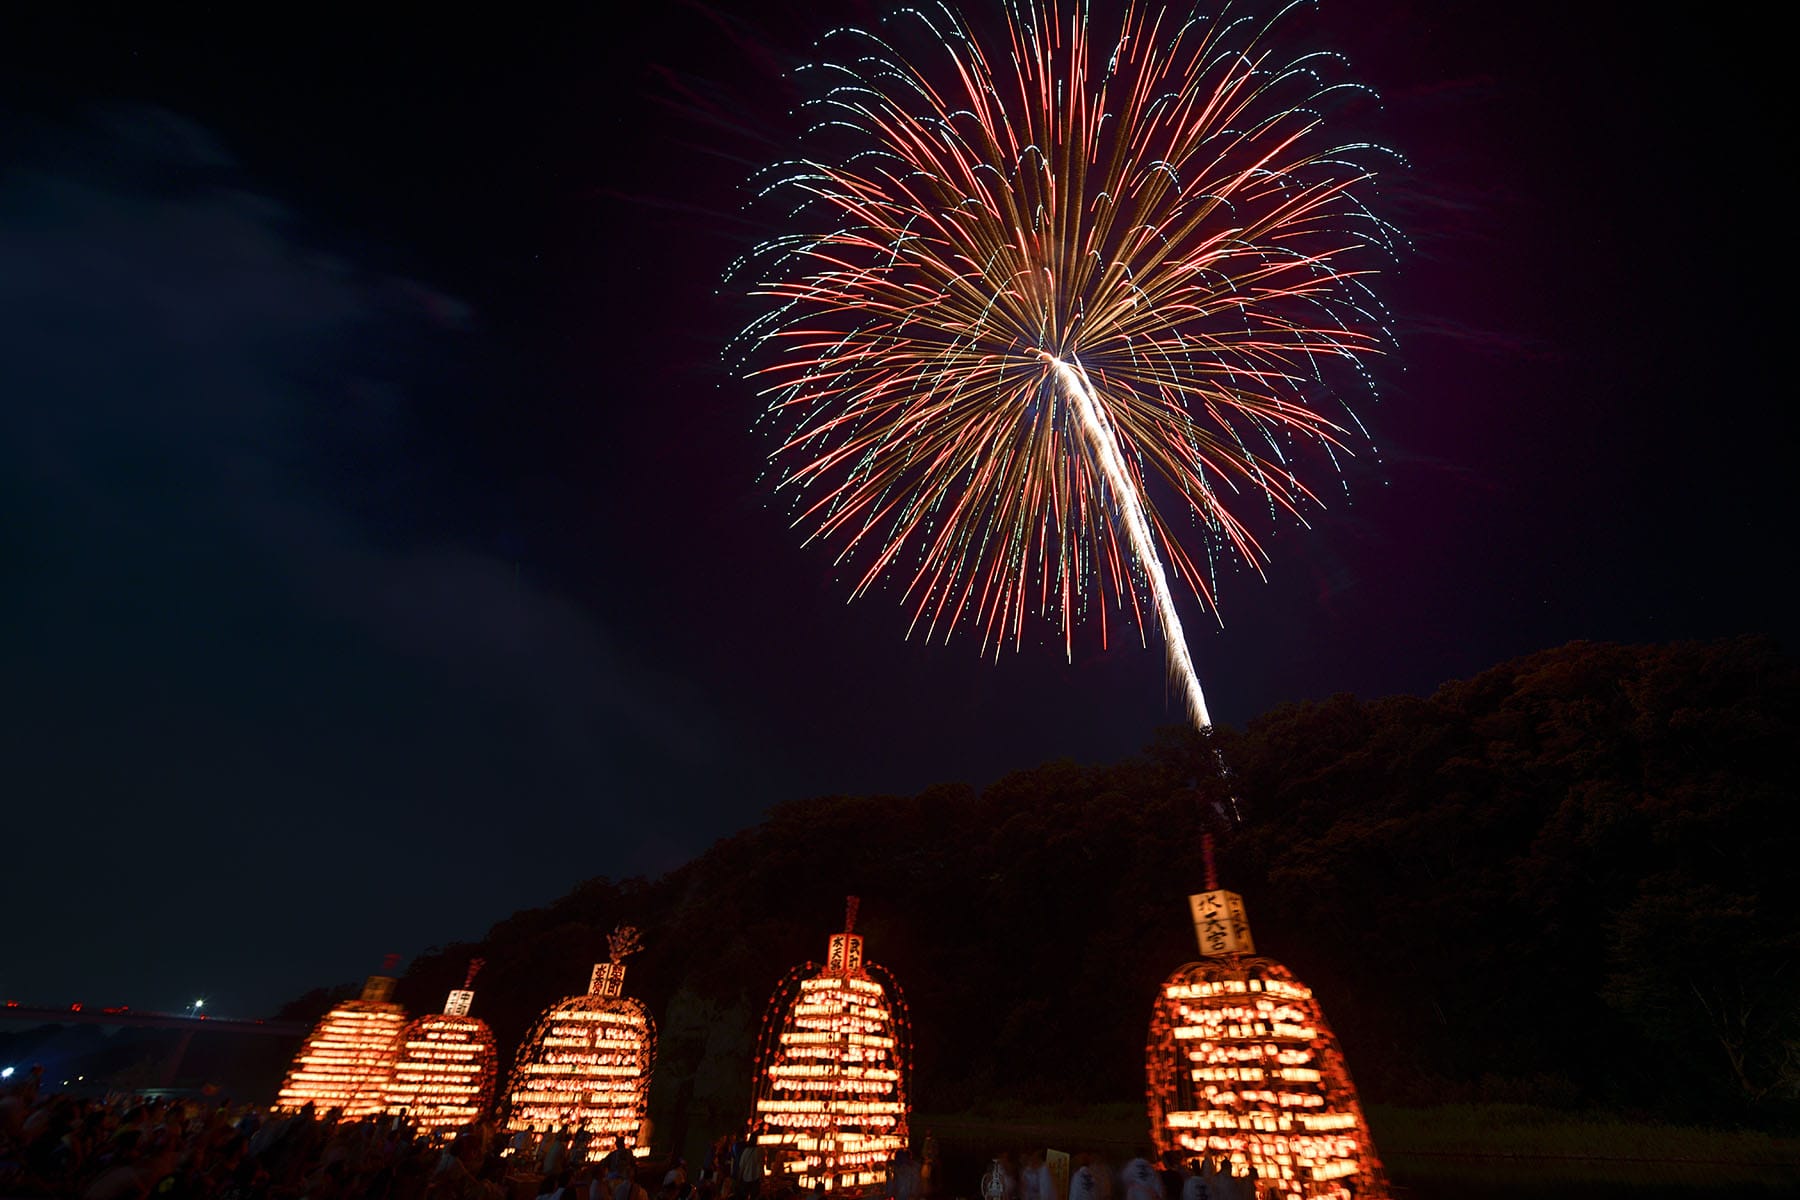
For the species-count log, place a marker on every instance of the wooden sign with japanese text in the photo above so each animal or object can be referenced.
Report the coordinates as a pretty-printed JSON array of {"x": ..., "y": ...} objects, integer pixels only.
[
  {"x": 1220, "y": 925},
  {"x": 845, "y": 953},
  {"x": 608, "y": 979}
]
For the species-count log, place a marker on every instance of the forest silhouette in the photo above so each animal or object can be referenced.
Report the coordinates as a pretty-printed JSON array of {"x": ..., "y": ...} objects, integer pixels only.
[{"x": 1569, "y": 881}]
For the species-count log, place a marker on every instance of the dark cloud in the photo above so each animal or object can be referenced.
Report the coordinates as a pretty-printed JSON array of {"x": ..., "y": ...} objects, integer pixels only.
[{"x": 241, "y": 592}]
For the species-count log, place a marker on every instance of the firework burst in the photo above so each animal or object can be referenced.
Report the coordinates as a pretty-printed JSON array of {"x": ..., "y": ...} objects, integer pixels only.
[{"x": 1045, "y": 290}]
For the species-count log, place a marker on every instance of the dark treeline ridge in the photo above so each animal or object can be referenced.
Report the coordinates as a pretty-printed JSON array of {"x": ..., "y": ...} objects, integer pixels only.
[{"x": 1568, "y": 881}]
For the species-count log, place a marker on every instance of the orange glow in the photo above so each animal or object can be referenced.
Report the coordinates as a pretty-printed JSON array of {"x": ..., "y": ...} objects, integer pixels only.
[
  {"x": 444, "y": 1078},
  {"x": 831, "y": 1095},
  {"x": 1242, "y": 1065},
  {"x": 586, "y": 1064},
  {"x": 346, "y": 1061}
]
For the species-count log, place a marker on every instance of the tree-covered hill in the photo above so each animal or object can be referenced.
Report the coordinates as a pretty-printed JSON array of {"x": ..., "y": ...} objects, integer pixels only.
[{"x": 1571, "y": 879}]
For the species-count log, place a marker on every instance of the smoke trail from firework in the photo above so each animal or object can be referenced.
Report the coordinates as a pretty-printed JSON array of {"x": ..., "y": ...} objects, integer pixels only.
[{"x": 1038, "y": 289}]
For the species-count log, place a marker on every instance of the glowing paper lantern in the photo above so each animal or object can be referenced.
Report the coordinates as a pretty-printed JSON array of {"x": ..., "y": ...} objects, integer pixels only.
[
  {"x": 831, "y": 1107},
  {"x": 586, "y": 1064},
  {"x": 346, "y": 1061},
  {"x": 1241, "y": 1065},
  {"x": 444, "y": 1077}
]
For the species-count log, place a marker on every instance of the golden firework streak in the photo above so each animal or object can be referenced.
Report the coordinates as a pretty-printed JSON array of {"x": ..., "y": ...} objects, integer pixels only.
[{"x": 1103, "y": 444}]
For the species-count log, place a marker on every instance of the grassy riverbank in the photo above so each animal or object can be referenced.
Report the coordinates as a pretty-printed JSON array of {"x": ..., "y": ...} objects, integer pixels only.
[
  {"x": 1522, "y": 1144},
  {"x": 1446, "y": 1150}
]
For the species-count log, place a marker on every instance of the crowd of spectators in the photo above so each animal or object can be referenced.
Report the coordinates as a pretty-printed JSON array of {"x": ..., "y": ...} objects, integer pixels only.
[
  {"x": 184, "y": 1148},
  {"x": 127, "y": 1147},
  {"x": 1208, "y": 1177}
]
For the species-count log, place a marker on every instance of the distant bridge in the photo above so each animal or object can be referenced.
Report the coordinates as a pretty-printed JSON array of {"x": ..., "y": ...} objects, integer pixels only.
[
  {"x": 120, "y": 1016},
  {"x": 81, "y": 1014}
]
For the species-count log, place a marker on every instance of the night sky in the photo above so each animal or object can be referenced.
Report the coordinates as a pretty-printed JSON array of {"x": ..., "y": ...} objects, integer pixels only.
[{"x": 381, "y": 533}]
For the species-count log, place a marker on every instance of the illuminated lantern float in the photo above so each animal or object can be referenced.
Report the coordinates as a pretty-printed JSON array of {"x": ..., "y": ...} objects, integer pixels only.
[
  {"x": 586, "y": 1064},
  {"x": 1242, "y": 1066},
  {"x": 831, "y": 1108},
  {"x": 346, "y": 1061},
  {"x": 444, "y": 1077}
]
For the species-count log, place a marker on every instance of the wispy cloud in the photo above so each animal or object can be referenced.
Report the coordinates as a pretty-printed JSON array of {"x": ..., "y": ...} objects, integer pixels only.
[{"x": 234, "y": 588}]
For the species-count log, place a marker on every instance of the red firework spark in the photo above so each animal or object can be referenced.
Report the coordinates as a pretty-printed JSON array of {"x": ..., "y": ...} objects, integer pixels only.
[{"x": 1157, "y": 210}]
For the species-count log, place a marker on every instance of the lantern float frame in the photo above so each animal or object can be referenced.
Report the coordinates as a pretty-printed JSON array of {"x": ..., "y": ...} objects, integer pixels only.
[
  {"x": 1241, "y": 1064},
  {"x": 611, "y": 1034},
  {"x": 346, "y": 1060},
  {"x": 445, "y": 1076},
  {"x": 833, "y": 1071}
]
